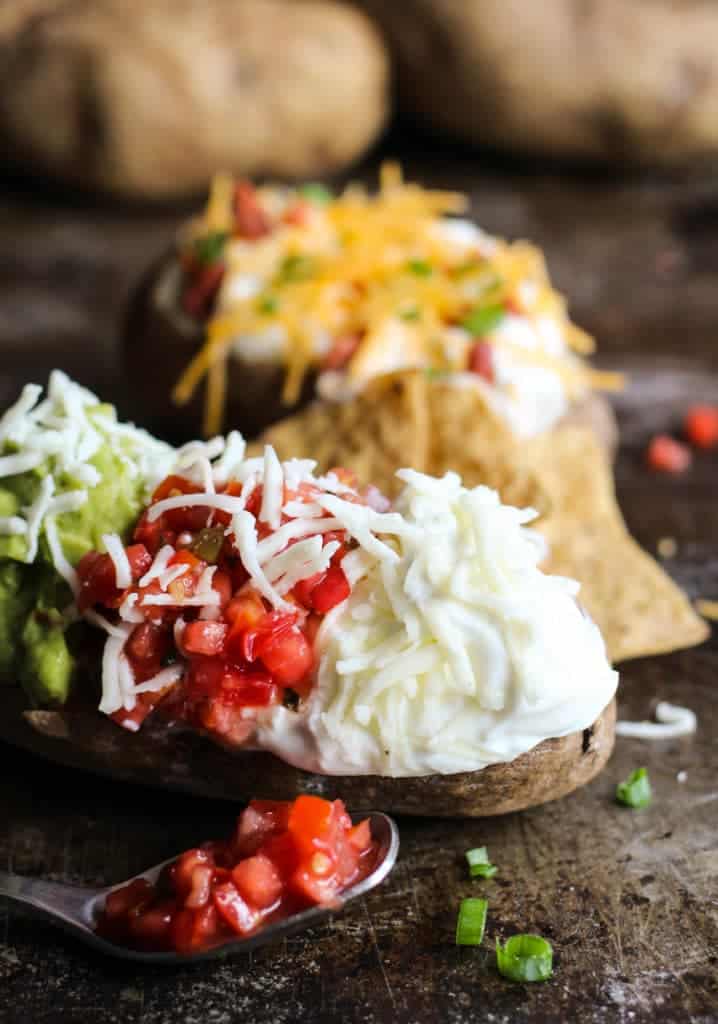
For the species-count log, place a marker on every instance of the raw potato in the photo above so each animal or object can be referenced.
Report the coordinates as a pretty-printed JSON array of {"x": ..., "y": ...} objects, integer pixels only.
[
  {"x": 624, "y": 80},
  {"x": 190, "y": 763},
  {"x": 149, "y": 98}
]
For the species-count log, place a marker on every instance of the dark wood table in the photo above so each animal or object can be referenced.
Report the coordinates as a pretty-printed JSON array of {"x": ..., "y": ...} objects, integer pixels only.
[{"x": 629, "y": 899}]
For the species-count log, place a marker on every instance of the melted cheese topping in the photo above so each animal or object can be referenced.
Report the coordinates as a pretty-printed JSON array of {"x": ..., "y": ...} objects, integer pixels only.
[{"x": 398, "y": 273}]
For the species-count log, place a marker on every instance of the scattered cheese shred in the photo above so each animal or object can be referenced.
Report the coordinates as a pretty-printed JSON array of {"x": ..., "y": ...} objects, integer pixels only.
[{"x": 672, "y": 721}]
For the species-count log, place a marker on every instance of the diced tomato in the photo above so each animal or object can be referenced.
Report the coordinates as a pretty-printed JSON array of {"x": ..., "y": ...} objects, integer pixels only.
[
  {"x": 240, "y": 917},
  {"x": 343, "y": 348},
  {"x": 245, "y": 611},
  {"x": 258, "y": 881},
  {"x": 129, "y": 897},
  {"x": 286, "y": 654},
  {"x": 316, "y": 881},
  {"x": 331, "y": 590},
  {"x": 185, "y": 557},
  {"x": 360, "y": 836},
  {"x": 139, "y": 558},
  {"x": 207, "y": 638},
  {"x": 298, "y": 213},
  {"x": 304, "y": 588},
  {"x": 346, "y": 476},
  {"x": 148, "y": 643},
  {"x": 200, "y": 887},
  {"x": 186, "y": 866},
  {"x": 311, "y": 822},
  {"x": 666, "y": 455},
  {"x": 250, "y": 219},
  {"x": 96, "y": 573},
  {"x": 199, "y": 295},
  {"x": 701, "y": 426},
  {"x": 151, "y": 929},
  {"x": 193, "y": 930},
  {"x": 283, "y": 857},
  {"x": 173, "y": 485},
  {"x": 243, "y": 688},
  {"x": 151, "y": 534},
  {"x": 481, "y": 360},
  {"x": 222, "y": 585},
  {"x": 257, "y": 822}
]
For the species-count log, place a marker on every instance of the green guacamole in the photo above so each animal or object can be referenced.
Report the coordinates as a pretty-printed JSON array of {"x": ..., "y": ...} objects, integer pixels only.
[{"x": 35, "y": 601}]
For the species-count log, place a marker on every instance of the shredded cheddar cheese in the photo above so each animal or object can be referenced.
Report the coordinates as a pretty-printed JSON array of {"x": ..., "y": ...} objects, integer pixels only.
[{"x": 397, "y": 272}]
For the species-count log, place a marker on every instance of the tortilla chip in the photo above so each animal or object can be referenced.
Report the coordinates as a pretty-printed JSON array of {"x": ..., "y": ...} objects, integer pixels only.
[{"x": 433, "y": 426}]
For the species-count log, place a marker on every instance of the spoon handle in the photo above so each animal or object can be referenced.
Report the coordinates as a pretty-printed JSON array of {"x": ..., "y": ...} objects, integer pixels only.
[{"x": 53, "y": 898}]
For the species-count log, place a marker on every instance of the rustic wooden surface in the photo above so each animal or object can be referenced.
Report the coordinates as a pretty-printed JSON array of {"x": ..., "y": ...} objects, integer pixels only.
[{"x": 629, "y": 899}]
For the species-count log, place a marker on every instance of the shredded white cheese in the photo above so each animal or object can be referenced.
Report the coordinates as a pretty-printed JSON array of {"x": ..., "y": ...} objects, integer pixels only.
[
  {"x": 672, "y": 721},
  {"x": 116, "y": 550}
]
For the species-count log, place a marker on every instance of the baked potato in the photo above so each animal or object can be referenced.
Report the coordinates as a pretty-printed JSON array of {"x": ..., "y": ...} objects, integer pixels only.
[
  {"x": 145, "y": 98},
  {"x": 273, "y": 296},
  {"x": 618, "y": 81}
]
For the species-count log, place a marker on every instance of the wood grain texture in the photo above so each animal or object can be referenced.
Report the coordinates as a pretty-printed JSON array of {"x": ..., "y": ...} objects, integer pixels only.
[{"x": 627, "y": 898}]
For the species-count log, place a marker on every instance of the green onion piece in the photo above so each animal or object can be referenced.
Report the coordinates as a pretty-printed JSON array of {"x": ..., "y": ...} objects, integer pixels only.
[
  {"x": 410, "y": 315},
  {"x": 471, "y": 922},
  {"x": 209, "y": 249},
  {"x": 479, "y": 864},
  {"x": 207, "y": 544},
  {"x": 483, "y": 320},
  {"x": 525, "y": 958},
  {"x": 268, "y": 304},
  {"x": 636, "y": 790},
  {"x": 296, "y": 268},
  {"x": 419, "y": 267},
  {"x": 316, "y": 193}
]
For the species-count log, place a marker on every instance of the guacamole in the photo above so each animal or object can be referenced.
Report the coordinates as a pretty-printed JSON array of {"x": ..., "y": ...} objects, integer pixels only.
[{"x": 92, "y": 475}]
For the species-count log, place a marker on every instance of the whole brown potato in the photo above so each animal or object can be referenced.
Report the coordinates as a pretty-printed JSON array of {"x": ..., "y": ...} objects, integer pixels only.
[
  {"x": 149, "y": 97},
  {"x": 623, "y": 80}
]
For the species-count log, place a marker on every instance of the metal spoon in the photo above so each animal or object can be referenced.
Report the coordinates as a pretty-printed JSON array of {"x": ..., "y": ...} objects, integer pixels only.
[{"x": 76, "y": 908}]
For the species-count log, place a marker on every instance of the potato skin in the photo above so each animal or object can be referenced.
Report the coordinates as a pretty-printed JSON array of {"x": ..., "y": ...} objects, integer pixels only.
[
  {"x": 628, "y": 81},
  {"x": 159, "y": 341},
  {"x": 147, "y": 98},
  {"x": 189, "y": 763}
]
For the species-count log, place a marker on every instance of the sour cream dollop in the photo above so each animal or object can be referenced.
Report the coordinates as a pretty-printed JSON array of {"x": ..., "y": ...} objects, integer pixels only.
[{"x": 458, "y": 654}]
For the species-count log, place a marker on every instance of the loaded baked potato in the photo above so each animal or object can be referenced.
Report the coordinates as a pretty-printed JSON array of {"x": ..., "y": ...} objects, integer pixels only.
[
  {"x": 274, "y": 296},
  {"x": 412, "y": 656}
]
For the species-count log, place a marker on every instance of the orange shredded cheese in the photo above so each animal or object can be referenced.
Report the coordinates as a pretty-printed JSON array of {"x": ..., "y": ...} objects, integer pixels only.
[{"x": 378, "y": 267}]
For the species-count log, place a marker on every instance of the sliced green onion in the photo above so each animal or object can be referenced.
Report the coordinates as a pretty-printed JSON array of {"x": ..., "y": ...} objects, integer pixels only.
[
  {"x": 209, "y": 249},
  {"x": 525, "y": 958},
  {"x": 268, "y": 304},
  {"x": 471, "y": 922},
  {"x": 636, "y": 790},
  {"x": 483, "y": 320},
  {"x": 410, "y": 315},
  {"x": 420, "y": 267},
  {"x": 479, "y": 864},
  {"x": 207, "y": 544},
  {"x": 316, "y": 193},
  {"x": 296, "y": 268}
]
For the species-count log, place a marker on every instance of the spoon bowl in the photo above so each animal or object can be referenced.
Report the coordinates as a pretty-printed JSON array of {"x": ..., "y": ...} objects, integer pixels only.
[{"x": 76, "y": 909}]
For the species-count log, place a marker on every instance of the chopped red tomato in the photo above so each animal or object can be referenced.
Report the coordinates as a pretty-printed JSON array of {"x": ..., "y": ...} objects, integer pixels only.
[
  {"x": 206, "y": 638},
  {"x": 481, "y": 360},
  {"x": 139, "y": 558},
  {"x": 250, "y": 219},
  {"x": 701, "y": 426},
  {"x": 198, "y": 297},
  {"x": 666, "y": 455},
  {"x": 283, "y": 857},
  {"x": 343, "y": 348},
  {"x": 96, "y": 574},
  {"x": 286, "y": 653}
]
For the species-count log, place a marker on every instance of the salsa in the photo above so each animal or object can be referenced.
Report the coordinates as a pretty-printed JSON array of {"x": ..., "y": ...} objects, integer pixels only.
[
  {"x": 282, "y": 858},
  {"x": 201, "y": 641}
]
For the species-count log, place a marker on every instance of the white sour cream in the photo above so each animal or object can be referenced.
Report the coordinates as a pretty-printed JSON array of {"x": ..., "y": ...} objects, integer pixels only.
[{"x": 459, "y": 654}]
